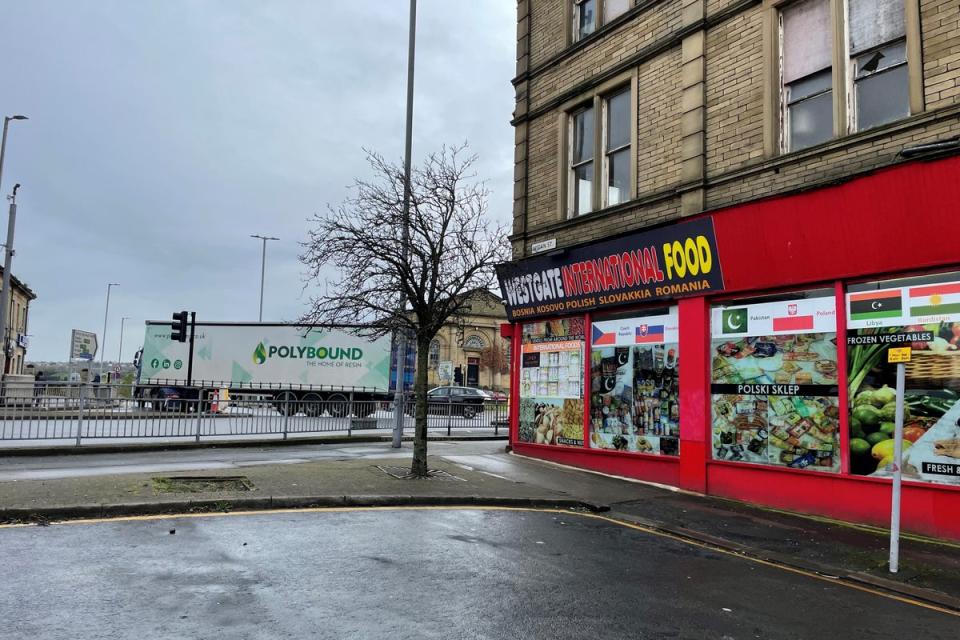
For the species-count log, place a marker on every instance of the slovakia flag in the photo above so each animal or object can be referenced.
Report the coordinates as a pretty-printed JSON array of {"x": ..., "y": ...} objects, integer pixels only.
[{"x": 647, "y": 333}]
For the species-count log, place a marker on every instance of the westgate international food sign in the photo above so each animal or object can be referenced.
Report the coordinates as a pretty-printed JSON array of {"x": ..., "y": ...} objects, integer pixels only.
[{"x": 660, "y": 264}]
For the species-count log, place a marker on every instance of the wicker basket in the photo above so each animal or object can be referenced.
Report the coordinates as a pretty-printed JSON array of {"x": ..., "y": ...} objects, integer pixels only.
[{"x": 934, "y": 368}]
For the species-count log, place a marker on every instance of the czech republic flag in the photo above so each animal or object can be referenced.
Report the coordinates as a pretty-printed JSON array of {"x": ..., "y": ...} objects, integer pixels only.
[{"x": 603, "y": 337}]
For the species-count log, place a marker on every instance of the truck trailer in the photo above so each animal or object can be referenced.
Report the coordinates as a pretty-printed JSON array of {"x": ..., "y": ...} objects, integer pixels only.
[{"x": 299, "y": 367}]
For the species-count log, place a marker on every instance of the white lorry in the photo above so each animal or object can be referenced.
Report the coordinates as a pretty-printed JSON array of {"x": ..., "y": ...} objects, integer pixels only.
[{"x": 297, "y": 366}]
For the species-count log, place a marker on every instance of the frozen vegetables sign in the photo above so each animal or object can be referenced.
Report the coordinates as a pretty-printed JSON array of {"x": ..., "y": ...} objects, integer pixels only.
[{"x": 665, "y": 263}]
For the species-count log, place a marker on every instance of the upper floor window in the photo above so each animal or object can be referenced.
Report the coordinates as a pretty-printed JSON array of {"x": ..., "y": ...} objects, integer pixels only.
[
  {"x": 581, "y": 162},
  {"x": 616, "y": 165},
  {"x": 584, "y": 18},
  {"x": 607, "y": 122},
  {"x": 434, "y": 353},
  {"x": 587, "y": 15},
  {"x": 878, "y": 62},
  {"x": 806, "y": 74},
  {"x": 876, "y": 78}
]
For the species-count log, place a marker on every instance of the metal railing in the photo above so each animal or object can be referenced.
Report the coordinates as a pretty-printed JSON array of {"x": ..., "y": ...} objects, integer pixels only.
[{"x": 74, "y": 413}]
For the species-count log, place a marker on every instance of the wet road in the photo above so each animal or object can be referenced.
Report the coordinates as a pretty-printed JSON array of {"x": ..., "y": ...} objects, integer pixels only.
[
  {"x": 51, "y": 467},
  {"x": 416, "y": 574}
]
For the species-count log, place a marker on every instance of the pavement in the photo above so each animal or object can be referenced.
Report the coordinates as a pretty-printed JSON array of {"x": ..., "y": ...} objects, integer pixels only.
[
  {"x": 403, "y": 574},
  {"x": 44, "y": 488}
]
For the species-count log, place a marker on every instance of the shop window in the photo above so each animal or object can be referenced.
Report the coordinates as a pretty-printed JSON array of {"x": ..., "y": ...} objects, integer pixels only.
[
  {"x": 774, "y": 381},
  {"x": 806, "y": 74},
  {"x": 635, "y": 383},
  {"x": 923, "y": 313},
  {"x": 551, "y": 383},
  {"x": 878, "y": 61}
]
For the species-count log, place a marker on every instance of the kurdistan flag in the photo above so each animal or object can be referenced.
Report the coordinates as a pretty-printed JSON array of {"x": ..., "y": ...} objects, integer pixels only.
[{"x": 935, "y": 299}]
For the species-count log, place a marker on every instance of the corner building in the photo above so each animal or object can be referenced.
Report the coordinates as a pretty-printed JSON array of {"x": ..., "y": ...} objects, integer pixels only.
[{"x": 725, "y": 213}]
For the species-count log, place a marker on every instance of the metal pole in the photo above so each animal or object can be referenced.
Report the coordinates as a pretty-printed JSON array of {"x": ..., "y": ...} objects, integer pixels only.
[
  {"x": 263, "y": 267},
  {"x": 897, "y": 472},
  {"x": 408, "y": 147},
  {"x": 120, "y": 352},
  {"x": 263, "y": 272},
  {"x": 106, "y": 312},
  {"x": 7, "y": 268}
]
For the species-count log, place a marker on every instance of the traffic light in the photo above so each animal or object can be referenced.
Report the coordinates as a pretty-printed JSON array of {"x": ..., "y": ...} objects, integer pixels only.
[{"x": 178, "y": 328}]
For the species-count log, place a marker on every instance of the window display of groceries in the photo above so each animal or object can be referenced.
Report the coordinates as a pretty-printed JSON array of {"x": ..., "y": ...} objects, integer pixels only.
[
  {"x": 549, "y": 373},
  {"x": 774, "y": 384},
  {"x": 551, "y": 383},
  {"x": 932, "y": 388},
  {"x": 552, "y": 421},
  {"x": 634, "y": 398}
]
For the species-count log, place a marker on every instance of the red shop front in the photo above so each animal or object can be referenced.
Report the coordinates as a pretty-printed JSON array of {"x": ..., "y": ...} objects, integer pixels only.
[{"x": 742, "y": 353}]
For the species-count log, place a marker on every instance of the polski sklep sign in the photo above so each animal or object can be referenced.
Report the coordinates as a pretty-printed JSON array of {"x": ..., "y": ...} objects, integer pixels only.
[
  {"x": 83, "y": 345},
  {"x": 664, "y": 263}
]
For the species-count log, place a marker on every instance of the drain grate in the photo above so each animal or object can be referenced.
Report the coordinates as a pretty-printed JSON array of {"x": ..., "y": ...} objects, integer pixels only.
[
  {"x": 403, "y": 473},
  {"x": 201, "y": 484}
]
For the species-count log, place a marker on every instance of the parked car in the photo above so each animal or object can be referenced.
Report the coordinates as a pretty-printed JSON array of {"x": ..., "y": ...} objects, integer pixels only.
[
  {"x": 460, "y": 401},
  {"x": 497, "y": 396}
]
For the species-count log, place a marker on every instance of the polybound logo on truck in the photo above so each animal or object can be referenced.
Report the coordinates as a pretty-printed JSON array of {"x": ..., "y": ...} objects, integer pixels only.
[{"x": 261, "y": 354}]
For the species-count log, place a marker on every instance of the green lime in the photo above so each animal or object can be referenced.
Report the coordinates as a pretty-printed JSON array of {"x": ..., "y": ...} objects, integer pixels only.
[
  {"x": 876, "y": 436},
  {"x": 860, "y": 447}
]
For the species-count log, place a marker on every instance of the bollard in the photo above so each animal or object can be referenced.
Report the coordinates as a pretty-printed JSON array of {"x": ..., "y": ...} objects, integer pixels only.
[
  {"x": 199, "y": 413},
  {"x": 80, "y": 417}
]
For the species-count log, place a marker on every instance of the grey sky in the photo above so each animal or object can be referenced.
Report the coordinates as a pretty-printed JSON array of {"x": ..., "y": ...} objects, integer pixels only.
[{"x": 162, "y": 133}]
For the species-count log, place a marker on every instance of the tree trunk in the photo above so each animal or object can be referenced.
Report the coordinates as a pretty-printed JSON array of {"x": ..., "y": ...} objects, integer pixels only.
[{"x": 419, "y": 465}]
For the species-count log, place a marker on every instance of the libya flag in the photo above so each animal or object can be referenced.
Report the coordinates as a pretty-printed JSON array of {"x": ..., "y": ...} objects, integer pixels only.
[
  {"x": 935, "y": 299},
  {"x": 876, "y": 304}
]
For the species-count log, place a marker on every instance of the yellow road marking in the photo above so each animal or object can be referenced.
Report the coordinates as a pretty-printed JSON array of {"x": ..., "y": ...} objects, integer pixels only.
[{"x": 595, "y": 516}]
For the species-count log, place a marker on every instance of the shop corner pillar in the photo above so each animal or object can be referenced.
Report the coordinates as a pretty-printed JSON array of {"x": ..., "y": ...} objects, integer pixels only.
[{"x": 694, "y": 394}]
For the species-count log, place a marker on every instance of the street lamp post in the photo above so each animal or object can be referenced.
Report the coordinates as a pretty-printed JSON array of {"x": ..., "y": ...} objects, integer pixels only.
[
  {"x": 408, "y": 145},
  {"x": 8, "y": 257},
  {"x": 120, "y": 352},
  {"x": 106, "y": 312},
  {"x": 263, "y": 266}
]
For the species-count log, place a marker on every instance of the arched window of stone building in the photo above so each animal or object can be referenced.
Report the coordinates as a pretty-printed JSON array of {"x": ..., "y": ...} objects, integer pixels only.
[
  {"x": 434, "y": 353},
  {"x": 474, "y": 343}
]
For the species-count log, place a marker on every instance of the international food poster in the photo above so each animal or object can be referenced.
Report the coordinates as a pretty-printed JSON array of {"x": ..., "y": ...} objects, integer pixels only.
[
  {"x": 925, "y": 317},
  {"x": 634, "y": 403},
  {"x": 551, "y": 389},
  {"x": 774, "y": 384}
]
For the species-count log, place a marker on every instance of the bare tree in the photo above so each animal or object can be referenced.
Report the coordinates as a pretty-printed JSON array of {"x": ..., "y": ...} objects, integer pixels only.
[
  {"x": 495, "y": 358},
  {"x": 453, "y": 247}
]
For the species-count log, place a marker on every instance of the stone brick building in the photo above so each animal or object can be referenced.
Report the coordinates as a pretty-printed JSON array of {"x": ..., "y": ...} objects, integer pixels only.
[
  {"x": 765, "y": 190},
  {"x": 708, "y": 84}
]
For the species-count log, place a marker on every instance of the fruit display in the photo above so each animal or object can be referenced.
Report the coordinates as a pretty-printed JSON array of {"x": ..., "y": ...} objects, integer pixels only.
[{"x": 872, "y": 423}]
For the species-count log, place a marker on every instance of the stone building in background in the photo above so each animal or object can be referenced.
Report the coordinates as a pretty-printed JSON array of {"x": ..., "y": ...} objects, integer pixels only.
[{"x": 17, "y": 324}]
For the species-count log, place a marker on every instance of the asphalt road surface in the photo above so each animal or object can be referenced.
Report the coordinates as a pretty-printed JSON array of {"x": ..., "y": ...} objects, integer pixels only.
[
  {"x": 51, "y": 467},
  {"x": 421, "y": 573}
]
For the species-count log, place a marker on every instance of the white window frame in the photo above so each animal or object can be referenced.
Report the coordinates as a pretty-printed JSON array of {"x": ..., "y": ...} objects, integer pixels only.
[
  {"x": 843, "y": 70},
  {"x": 598, "y": 20},
  {"x": 572, "y": 166},
  {"x": 853, "y": 126},
  {"x": 605, "y": 163}
]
